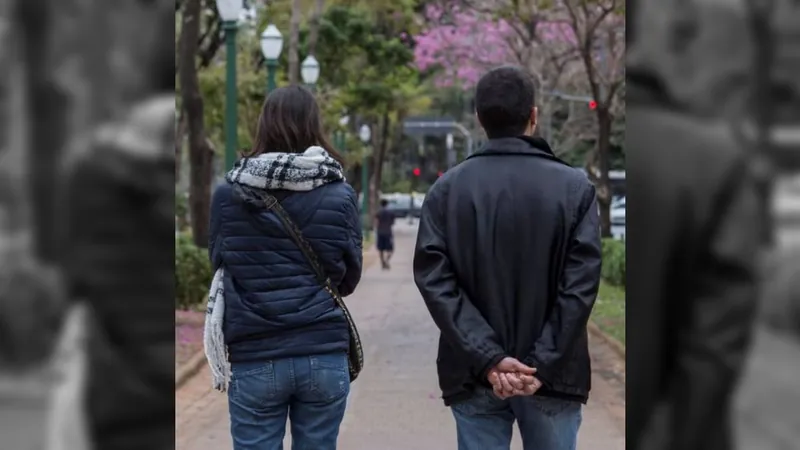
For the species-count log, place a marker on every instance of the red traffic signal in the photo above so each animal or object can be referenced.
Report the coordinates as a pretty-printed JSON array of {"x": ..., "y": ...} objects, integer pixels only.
[
  {"x": 417, "y": 172},
  {"x": 440, "y": 173},
  {"x": 592, "y": 104}
]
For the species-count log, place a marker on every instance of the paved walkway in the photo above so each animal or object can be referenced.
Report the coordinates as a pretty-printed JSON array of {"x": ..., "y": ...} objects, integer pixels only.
[{"x": 395, "y": 403}]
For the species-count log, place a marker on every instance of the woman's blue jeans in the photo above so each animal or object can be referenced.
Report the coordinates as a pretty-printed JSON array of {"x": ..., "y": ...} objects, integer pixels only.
[{"x": 311, "y": 391}]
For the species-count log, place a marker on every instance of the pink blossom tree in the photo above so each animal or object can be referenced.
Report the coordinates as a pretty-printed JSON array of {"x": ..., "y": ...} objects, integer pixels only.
[
  {"x": 461, "y": 45},
  {"x": 462, "y": 42},
  {"x": 576, "y": 46}
]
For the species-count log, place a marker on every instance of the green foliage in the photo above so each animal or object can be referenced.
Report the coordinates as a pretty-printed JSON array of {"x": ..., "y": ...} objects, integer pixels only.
[
  {"x": 365, "y": 66},
  {"x": 614, "y": 261},
  {"x": 32, "y": 304},
  {"x": 182, "y": 217},
  {"x": 609, "y": 311},
  {"x": 366, "y": 61},
  {"x": 192, "y": 273},
  {"x": 395, "y": 184},
  {"x": 181, "y": 206},
  {"x": 367, "y": 72},
  {"x": 577, "y": 155},
  {"x": 251, "y": 86}
]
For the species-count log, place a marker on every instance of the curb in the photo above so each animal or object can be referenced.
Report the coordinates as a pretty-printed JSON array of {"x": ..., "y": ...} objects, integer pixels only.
[
  {"x": 615, "y": 345},
  {"x": 188, "y": 370}
]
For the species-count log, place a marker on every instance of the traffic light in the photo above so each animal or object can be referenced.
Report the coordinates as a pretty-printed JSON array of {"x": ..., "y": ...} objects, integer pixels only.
[
  {"x": 592, "y": 105},
  {"x": 417, "y": 172},
  {"x": 440, "y": 173}
]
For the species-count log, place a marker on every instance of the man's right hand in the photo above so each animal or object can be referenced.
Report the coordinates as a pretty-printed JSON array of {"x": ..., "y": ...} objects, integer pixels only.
[{"x": 511, "y": 377}]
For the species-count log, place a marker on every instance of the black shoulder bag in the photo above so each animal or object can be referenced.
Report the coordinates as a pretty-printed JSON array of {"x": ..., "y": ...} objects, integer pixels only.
[{"x": 355, "y": 353}]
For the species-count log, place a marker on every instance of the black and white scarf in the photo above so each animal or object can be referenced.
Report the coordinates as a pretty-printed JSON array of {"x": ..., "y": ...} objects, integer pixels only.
[
  {"x": 290, "y": 171},
  {"x": 269, "y": 171}
]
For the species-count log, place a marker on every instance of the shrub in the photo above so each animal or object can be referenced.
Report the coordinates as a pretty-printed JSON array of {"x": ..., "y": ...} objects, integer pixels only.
[
  {"x": 181, "y": 210},
  {"x": 32, "y": 305},
  {"x": 192, "y": 272},
  {"x": 614, "y": 262}
]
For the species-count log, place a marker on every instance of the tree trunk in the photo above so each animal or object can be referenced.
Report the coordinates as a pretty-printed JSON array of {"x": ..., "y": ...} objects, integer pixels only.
[
  {"x": 47, "y": 125},
  {"x": 602, "y": 182},
  {"x": 199, "y": 151},
  {"x": 768, "y": 157},
  {"x": 12, "y": 163},
  {"x": 313, "y": 32},
  {"x": 180, "y": 133},
  {"x": 294, "y": 43}
]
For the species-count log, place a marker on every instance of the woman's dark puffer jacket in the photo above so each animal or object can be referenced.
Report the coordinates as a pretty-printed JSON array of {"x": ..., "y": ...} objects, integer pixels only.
[{"x": 274, "y": 305}]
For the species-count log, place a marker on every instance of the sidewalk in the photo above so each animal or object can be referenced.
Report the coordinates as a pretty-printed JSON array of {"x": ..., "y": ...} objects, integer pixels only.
[
  {"x": 23, "y": 408},
  {"x": 395, "y": 404}
]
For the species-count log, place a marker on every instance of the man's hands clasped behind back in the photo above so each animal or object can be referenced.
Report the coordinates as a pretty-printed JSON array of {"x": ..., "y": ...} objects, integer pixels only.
[{"x": 510, "y": 378}]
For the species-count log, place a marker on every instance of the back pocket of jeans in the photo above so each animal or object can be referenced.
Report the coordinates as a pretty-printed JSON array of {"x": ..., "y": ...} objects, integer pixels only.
[
  {"x": 330, "y": 376},
  {"x": 254, "y": 387}
]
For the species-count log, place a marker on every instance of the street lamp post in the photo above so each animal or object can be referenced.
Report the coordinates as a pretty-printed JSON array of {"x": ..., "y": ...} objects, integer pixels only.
[
  {"x": 365, "y": 134},
  {"x": 229, "y": 11},
  {"x": 271, "y": 46},
  {"x": 309, "y": 71}
]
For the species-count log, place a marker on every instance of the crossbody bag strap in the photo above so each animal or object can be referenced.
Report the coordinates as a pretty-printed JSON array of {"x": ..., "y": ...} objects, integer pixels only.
[
  {"x": 274, "y": 205},
  {"x": 355, "y": 352}
]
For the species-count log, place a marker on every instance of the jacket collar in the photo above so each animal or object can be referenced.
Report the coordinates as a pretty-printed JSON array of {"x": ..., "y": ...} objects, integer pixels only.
[{"x": 521, "y": 145}]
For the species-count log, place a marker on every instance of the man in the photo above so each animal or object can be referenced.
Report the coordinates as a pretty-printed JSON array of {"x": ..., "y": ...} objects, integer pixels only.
[
  {"x": 693, "y": 246},
  {"x": 508, "y": 262},
  {"x": 384, "y": 220}
]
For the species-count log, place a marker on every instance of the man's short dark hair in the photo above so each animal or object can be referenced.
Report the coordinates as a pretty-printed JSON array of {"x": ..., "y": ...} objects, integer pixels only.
[
  {"x": 504, "y": 99},
  {"x": 384, "y": 202}
]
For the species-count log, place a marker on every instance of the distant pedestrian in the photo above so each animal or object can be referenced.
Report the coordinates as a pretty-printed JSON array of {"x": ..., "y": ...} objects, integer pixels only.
[
  {"x": 508, "y": 262},
  {"x": 384, "y": 220},
  {"x": 285, "y": 244}
]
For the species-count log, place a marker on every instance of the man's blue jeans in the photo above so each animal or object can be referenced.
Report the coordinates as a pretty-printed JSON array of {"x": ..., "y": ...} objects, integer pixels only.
[
  {"x": 310, "y": 391},
  {"x": 485, "y": 422}
]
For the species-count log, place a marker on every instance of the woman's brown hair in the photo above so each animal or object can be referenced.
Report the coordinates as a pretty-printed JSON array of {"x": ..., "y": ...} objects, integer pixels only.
[{"x": 290, "y": 122}]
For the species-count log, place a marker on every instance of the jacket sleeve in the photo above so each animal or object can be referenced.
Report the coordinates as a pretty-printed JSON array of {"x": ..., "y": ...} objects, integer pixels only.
[
  {"x": 214, "y": 231},
  {"x": 712, "y": 345},
  {"x": 460, "y": 322},
  {"x": 353, "y": 253},
  {"x": 577, "y": 292}
]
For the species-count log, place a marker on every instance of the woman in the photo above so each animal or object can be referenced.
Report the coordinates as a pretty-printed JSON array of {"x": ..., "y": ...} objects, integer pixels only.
[
  {"x": 117, "y": 273},
  {"x": 286, "y": 339}
]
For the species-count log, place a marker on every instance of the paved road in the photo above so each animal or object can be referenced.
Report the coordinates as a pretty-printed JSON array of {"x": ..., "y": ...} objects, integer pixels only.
[
  {"x": 395, "y": 403},
  {"x": 768, "y": 394},
  {"x": 23, "y": 408}
]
